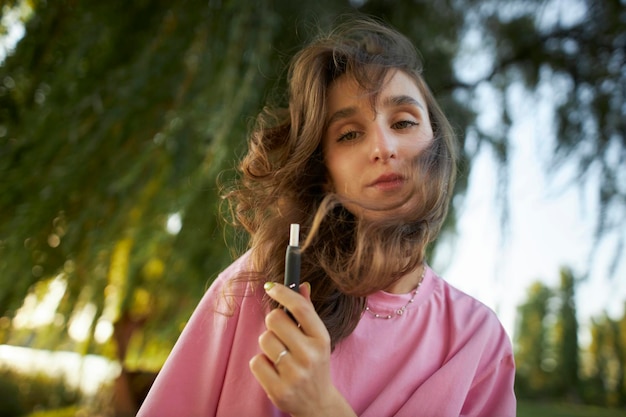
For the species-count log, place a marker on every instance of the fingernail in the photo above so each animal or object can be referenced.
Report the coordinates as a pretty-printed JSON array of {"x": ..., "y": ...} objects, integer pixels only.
[
  {"x": 307, "y": 284},
  {"x": 268, "y": 285}
]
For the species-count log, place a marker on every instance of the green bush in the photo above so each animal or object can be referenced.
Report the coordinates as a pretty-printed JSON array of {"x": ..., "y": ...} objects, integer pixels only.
[
  {"x": 10, "y": 404},
  {"x": 25, "y": 393}
]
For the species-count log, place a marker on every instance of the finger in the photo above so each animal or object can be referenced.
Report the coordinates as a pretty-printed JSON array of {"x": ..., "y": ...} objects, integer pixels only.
[
  {"x": 263, "y": 370},
  {"x": 270, "y": 380},
  {"x": 305, "y": 290},
  {"x": 286, "y": 332},
  {"x": 271, "y": 346},
  {"x": 300, "y": 307}
]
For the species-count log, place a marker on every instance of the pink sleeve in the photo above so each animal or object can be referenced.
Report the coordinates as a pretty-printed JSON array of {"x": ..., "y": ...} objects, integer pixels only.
[
  {"x": 197, "y": 363},
  {"x": 491, "y": 392},
  {"x": 493, "y": 395}
]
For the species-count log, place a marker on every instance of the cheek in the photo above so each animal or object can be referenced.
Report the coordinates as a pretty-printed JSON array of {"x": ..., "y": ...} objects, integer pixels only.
[
  {"x": 338, "y": 175},
  {"x": 423, "y": 142}
]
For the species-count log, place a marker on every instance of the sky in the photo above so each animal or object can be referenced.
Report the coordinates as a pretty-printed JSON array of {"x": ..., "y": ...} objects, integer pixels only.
[
  {"x": 552, "y": 218},
  {"x": 10, "y": 20},
  {"x": 551, "y": 225}
]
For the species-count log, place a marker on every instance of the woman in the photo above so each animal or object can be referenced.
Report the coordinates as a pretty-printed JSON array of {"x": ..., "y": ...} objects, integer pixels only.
[{"x": 364, "y": 160}]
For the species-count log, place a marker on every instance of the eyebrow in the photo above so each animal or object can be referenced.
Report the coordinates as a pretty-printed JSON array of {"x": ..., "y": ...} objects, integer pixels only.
[
  {"x": 341, "y": 114},
  {"x": 393, "y": 101},
  {"x": 396, "y": 101}
]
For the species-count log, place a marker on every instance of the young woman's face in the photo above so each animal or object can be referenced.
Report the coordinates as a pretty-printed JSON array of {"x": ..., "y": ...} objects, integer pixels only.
[{"x": 369, "y": 149}]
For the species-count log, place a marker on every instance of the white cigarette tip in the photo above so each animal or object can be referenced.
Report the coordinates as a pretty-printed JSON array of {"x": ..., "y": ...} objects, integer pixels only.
[{"x": 294, "y": 234}]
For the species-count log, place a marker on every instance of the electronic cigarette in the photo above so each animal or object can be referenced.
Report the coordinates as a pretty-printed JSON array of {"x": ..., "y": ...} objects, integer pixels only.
[{"x": 292, "y": 259}]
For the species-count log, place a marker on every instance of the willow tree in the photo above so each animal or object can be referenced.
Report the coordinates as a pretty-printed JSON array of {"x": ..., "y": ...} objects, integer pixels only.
[{"x": 117, "y": 117}]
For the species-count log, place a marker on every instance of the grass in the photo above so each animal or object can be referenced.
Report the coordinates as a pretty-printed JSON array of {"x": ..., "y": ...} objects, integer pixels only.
[
  {"x": 61, "y": 412},
  {"x": 524, "y": 409},
  {"x": 540, "y": 409}
]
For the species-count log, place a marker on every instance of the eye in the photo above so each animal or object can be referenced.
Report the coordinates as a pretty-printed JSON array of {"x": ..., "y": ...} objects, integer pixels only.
[
  {"x": 404, "y": 124},
  {"x": 348, "y": 136}
]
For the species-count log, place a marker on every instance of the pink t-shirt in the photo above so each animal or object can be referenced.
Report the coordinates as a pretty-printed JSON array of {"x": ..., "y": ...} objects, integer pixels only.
[{"x": 447, "y": 355}]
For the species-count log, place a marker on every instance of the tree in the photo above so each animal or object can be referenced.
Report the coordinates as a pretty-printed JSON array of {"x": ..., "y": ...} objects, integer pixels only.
[
  {"x": 575, "y": 54},
  {"x": 533, "y": 360},
  {"x": 567, "y": 337},
  {"x": 606, "y": 377},
  {"x": 116, "y": 118},
  {"x": 547, "y": 348},
  {"x": 551, "y": 363},
  {"x": 119, "y": 117}
]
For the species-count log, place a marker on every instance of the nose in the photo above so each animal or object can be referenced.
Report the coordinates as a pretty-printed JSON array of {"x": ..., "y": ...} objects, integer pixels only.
[{"x": 383, "y": 146}]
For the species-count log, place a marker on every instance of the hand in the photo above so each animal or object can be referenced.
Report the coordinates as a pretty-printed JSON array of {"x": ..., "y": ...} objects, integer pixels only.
[{"x": 298, "y": 382}]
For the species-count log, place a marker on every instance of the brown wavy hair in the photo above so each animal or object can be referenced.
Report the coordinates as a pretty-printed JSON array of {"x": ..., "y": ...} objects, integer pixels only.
[{"x": 283, "y": 179}]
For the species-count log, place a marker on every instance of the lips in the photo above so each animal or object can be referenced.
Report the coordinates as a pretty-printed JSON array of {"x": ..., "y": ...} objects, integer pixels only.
[{"x": 388, "y": 181}]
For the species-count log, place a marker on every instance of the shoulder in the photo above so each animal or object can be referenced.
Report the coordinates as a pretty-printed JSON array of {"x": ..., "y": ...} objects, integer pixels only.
[
  {"x": 461, "y": 303},
  {"x": 236, "y": 269},
  {"x": 469, "y": 318},
  {"x": 229, "y": 289}
]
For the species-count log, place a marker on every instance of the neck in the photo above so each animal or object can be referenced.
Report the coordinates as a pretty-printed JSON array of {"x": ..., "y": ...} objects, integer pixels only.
[{"x": 408, "y": 282}]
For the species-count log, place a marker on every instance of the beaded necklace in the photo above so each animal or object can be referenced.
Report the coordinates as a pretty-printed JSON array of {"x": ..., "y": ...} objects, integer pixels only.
[{"x": 400, "y": 311}]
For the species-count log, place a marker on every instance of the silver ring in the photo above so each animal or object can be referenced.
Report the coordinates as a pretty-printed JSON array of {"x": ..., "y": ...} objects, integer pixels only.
[{"x": 280, "y": 357}]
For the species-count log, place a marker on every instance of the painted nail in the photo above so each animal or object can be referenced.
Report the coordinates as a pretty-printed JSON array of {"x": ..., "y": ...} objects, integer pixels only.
[{"x": 268, "y": 285}]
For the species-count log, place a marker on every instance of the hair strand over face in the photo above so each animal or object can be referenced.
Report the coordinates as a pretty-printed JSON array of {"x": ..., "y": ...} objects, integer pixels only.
[{"x": 283, "y": 180}]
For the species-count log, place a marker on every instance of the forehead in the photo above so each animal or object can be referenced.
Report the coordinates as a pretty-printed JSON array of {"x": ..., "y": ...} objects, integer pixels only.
[{"x": 346, "y": 91}]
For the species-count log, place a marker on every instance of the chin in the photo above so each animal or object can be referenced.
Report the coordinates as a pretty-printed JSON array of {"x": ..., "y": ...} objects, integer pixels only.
[{"x": 401, "y": 213}]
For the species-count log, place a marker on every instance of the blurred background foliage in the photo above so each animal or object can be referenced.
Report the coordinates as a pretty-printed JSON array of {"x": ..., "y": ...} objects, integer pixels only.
[
  {"x": 551, "y": 361},
  {"x": 118, "y": 117}
]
